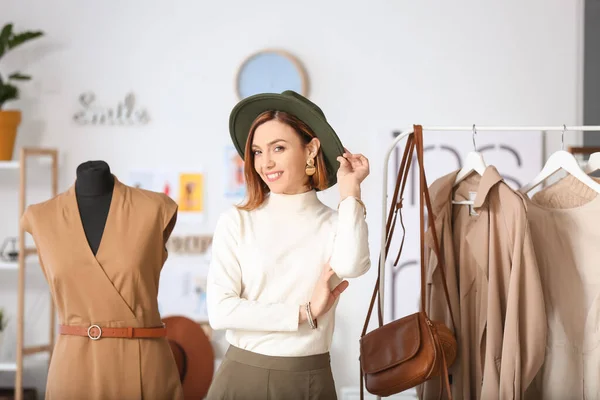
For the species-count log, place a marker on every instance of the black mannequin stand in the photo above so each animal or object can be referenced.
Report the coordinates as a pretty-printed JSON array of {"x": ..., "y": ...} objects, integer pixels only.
[{"x": 94, "y": 189}]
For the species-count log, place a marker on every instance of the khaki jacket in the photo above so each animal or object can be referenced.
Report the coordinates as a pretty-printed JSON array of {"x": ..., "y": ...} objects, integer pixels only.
[{"x": 494, "y": 286}]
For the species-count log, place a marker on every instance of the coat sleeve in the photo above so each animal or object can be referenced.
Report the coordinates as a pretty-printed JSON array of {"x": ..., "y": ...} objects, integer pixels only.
[
  {"x": 225, "y": 306},
  {"x": 436, "y": 305},
  {"x": 350, "y": 257},
  {"x": 524, "y": 337}
]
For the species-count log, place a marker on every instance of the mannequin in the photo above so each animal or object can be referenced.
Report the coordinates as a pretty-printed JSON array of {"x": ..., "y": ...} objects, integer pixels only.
[
  {"x": 102, "y": 276},
  {"x": 94, "y": 189}
]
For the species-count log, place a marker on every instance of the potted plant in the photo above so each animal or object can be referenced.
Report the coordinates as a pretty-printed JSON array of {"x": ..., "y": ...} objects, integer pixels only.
[{"x": 10, "y": 119}]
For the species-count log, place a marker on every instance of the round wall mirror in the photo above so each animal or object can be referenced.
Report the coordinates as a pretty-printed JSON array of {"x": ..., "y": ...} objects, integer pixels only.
[{"x": 271, "y": 71}]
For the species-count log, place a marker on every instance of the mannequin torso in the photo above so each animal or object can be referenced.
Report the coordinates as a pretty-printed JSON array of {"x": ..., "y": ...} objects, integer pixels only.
[
  {"x": 113, "y": 285},
  {"x": 94, "y": 189}
]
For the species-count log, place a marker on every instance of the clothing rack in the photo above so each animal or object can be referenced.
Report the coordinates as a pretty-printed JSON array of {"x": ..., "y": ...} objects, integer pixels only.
[{"x": 472, "y": 128}]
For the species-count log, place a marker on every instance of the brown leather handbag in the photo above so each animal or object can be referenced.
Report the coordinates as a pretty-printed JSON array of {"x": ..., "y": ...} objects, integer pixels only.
[{"x": 409, "y": 351}]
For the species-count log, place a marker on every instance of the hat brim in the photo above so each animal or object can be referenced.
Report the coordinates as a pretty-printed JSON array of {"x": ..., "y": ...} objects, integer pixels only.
[
  {"x": 199, "y": 355},
  {"x": 245, "y": 112}
]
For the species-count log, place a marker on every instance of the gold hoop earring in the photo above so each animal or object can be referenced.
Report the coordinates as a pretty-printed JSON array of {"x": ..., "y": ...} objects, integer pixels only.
[{"x": 310, "y": 167}]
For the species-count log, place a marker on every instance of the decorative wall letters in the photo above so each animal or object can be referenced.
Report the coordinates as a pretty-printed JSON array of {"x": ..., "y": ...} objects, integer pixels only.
[
  {"x": 123, "y": 114},
  {"x": 191, "y": 245}
]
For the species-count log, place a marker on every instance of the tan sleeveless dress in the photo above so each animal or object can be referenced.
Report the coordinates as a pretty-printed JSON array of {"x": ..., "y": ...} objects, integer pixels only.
[{"x": 116, "y": 288}]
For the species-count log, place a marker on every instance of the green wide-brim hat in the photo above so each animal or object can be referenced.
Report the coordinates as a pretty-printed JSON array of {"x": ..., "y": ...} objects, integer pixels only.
[{"x": 245, "y": 112}]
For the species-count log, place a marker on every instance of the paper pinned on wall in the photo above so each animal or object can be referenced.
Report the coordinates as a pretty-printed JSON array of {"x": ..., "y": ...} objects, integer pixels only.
[
  {"x": 182, "y": 288},
  {"x": 167, "y": 182},
  {"x": 141, "y": 179},
  {"x": 235, "y": 180},
  {"x": 156, "y": 181},
  {"x": 191, "y": 190},
  {"x": 187, "y": 189},
  {"x": 200, "y": 311}
]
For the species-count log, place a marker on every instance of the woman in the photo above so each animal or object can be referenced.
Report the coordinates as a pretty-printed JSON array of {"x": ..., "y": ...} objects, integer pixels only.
[{"x": 279, "y": 260}]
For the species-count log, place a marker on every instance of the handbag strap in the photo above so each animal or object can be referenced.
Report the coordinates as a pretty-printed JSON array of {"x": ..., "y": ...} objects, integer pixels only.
[
  {"x": 414, "y": 141},
  {"x": 444, "y": 380},
  {"x": 431, "y": 219},
  {"x": 424, "y": 195},
  {"x": 395, "y": 207}
]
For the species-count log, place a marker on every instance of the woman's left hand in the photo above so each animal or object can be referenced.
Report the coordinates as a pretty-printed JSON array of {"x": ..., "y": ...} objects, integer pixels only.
[{"x": 354, "y": 168}]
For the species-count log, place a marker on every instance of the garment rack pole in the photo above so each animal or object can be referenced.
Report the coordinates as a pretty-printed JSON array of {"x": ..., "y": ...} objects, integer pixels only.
[{"x": 472, "y": 128}]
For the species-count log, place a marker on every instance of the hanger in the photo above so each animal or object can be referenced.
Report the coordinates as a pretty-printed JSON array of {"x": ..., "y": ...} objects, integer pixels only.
[
  {"x": 473, "y": 163},
  {"x": 593, "y": 163},
  {"x": 561, "y": 160}
]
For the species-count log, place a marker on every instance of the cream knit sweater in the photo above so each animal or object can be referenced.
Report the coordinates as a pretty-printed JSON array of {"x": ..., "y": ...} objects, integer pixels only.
[{"x": 265, "y": 264}]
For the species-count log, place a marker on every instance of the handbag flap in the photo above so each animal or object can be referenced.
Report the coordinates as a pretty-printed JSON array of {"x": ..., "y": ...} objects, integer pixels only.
[{"x": 390, "y": 344}]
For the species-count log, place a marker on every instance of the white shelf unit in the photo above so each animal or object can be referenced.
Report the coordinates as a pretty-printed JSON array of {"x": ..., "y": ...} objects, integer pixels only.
[
  {"x": 14, "y": 265},
  {"x": 9, "y": 164},
  {"x": 10, "y": 366},
  {"x": 47, "y": 158},
  {"x": 16, "y": 164},
  {"x": 7, "y": 367},
  {"x": 9, "y": 266}
]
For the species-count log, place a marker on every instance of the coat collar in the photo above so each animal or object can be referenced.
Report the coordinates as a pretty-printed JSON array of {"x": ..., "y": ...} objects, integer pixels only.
[
  {"x": 489, "y": 179},
  {"x": 441, "y": 190}
]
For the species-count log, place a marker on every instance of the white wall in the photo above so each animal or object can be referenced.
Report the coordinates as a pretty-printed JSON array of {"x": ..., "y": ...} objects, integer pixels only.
[{"x": 373, "y": 69}]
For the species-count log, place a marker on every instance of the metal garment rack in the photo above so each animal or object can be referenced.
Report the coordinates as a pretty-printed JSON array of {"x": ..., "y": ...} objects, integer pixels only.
[{"x": 472, "y": 128}]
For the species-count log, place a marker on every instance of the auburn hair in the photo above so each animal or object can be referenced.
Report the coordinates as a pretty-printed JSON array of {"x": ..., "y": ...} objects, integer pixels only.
[{"x": 256, "y": 188}]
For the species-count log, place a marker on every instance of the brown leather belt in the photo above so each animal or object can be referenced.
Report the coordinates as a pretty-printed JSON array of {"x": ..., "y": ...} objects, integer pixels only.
[{"x": 95, "y": 332}]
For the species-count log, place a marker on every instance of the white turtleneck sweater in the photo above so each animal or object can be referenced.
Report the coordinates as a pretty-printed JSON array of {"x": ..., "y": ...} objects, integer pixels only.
[{"x": 265, "y": 264}]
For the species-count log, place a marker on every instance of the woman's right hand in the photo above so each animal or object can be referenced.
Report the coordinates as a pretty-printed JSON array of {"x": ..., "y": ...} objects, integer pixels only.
[{"x": 323, "y": 298}]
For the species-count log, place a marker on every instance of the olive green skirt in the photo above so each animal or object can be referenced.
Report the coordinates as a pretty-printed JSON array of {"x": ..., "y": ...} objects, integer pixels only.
[{"x": 244, "y": 375}]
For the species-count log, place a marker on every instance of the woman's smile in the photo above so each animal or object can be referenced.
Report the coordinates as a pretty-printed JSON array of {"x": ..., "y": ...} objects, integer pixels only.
[{"x": 273, "y": 176}]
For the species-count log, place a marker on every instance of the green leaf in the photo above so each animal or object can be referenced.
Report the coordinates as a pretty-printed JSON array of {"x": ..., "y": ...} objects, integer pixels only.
[
  {"x": 8, "y": 92},
  {"x": 5, "y": 34},
  {"x": 20, "y": 38},
  {"x": 18, "y": 77},
  {"x": 8, "y": 41}
]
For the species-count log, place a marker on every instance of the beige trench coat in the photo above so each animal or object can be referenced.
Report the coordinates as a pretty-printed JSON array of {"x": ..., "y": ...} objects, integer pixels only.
[
  {"x": 117, "y": 288},
  {"x": 494, "y": 287}
]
